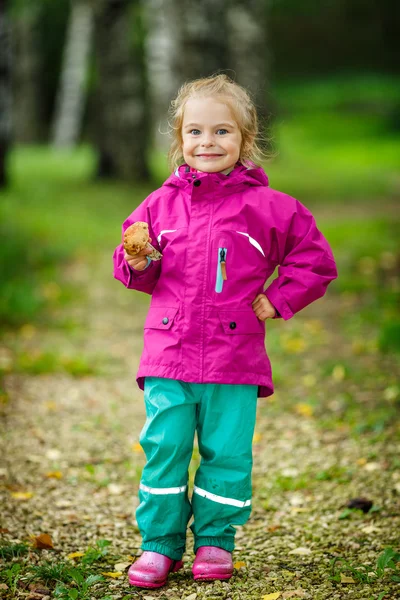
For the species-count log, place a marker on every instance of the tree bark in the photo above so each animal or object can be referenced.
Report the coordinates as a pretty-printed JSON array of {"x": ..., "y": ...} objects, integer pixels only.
[
  {"x": 5, "y": 91},
  {"x": 72, "y": 92},
  {"x": 122, "y": 132},
  {"x": 162, "y": 51},
  {"x": 26, "y": 75}
]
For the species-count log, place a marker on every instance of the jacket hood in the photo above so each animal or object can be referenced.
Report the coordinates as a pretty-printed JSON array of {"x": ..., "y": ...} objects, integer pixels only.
[{"x": 241, "y": 175}]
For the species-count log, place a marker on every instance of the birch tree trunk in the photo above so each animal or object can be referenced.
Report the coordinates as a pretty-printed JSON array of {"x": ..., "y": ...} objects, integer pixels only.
[
  {"x": 122, "y": 126},
  {"x": 5, "y": 91},
  {"x": 162, "y": 53},
  {"x": 248, "y": 49},
  {"x": 71, "y": 95},
  {"x": 27, "y": 114},
  {"x": 204, "y": 38}
]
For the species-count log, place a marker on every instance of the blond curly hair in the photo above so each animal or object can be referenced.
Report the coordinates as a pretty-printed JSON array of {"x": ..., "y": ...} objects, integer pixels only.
[{"x": 243, "y": 110}]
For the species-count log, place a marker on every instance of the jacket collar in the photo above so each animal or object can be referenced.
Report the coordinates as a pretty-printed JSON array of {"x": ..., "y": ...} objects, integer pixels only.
[{"x": 241, "y": 175}]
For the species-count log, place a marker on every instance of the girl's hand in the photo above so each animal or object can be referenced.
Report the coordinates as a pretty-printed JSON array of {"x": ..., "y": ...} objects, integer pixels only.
[
  {"x": 263, "y": 308},
  {"x": 139, "y": 261}
]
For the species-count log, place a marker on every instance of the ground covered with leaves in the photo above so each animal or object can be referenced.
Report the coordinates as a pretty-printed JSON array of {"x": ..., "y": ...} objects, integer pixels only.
[{"x": 326, "y": 509}]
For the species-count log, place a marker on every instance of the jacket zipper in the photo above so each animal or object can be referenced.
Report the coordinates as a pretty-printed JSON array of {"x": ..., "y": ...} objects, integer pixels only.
[{"x": 221, "y": 270}]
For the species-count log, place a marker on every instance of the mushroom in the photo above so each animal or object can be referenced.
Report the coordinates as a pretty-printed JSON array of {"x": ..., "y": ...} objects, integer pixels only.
[{"x": 136, "y": 238}]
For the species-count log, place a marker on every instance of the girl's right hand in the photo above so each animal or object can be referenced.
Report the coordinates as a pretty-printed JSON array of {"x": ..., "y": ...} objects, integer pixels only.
[{"x": 139, "y": 261}]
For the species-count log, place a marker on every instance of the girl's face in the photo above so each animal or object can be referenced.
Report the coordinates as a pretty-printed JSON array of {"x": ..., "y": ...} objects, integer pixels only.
[{"x": 211, "y": 137}]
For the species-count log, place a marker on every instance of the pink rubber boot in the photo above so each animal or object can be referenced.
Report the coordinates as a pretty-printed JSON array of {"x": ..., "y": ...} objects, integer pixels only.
[
  {"x": 212, "y": 563},
  {"x": 151, "y": 570}
]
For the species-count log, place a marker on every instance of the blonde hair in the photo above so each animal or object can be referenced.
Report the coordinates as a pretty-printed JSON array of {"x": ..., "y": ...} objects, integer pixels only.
[{"x": 241, "y": 105}]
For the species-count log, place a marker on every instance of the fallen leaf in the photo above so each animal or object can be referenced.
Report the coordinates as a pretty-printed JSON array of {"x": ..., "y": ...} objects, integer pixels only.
[
  {"x": 273, "y": 527},
  {"x": 137, "y": 447},
  {"x": 338, "y": 373},
  {"x": 191, "y": 597},
  {"x": 303, "y": 409},
  {"x": 113, "y": 574},
  {"x": 301, "y": 551},
  {"x": 273, "y": 596},
  {"x": 345, "y": 579},
  {"x": 42, "y": 541},
  {"x": 363, "y": 504},
  {"x": 3, "y": 586},
  {"x": 54, "y": 474},
  {"x": 76, "y": 554},
  {"x": 239, "y": 564},
  {"x": 115, "y": 489},
  {"x": 361, "y": 461},
  {"x": 256, "y": 438},
  {"x": 22, "y": 495},
  {"x": 294, "y": 594},
  {"x": 309, "y": 380},
  {"x": 122, "y": 566}
]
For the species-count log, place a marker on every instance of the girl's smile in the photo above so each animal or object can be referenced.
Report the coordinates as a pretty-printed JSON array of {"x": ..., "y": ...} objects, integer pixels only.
[{"x": 211, "y": 137}]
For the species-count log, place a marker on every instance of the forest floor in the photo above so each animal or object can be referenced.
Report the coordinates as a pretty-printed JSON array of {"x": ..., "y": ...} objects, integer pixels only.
[{"x": 71, "y": 458}]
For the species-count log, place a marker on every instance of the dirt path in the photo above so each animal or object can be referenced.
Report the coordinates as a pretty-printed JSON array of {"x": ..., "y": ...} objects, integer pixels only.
[{"x": 70, "y": 447}]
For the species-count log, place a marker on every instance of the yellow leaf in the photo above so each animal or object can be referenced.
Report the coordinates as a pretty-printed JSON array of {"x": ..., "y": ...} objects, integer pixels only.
[
  {"x": 113, "y": 574},
  {"x": 51, "y": 405},
  {"x": 42, "y": 541},
  {"x": 309, "y": 380},
  {"x": 239, "y": 564},
  {"x": 273, "y": 596},
  {"x": 345, "y": 579},
  {"x": 22, "y": 495},
  {"x": 294, "y": 345},
  {"x": 76, "y": 554},
  {"x": 256, "y": 438},
  {"x": 54, "y": 474},
  {"x": 303, "y": 409},
  {"x": 137, "y": 447},
  {"x": 361, "y": 461},
  {"x": 338, "y": 373},
  {"x": 27, "y": 331},
  {"x": 122, "y": 566}
]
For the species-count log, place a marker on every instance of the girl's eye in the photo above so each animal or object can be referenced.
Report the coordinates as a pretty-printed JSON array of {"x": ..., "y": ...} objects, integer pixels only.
[
  {"x": 223, "y": 131},
  {"x": 194, "y": 131}
]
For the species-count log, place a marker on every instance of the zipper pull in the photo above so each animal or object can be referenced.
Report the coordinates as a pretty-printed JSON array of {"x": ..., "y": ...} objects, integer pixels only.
[{"x": 223, "y": 264}]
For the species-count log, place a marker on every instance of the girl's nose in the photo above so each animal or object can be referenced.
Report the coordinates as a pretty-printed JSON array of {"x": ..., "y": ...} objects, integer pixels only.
[{"x": 207, "y": 142}]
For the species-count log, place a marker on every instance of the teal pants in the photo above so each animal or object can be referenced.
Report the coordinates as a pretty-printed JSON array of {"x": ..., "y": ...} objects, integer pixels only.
[{"x": 224, "y": 417}]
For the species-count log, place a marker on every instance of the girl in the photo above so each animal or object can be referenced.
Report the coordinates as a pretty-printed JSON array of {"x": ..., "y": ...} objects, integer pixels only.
[{"x": 222, "y": 231}]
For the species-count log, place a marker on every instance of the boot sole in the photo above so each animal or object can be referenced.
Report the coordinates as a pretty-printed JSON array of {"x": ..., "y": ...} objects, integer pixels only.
[
  {"x": 155, "y": 584},
  {"x": 211, "y": 577}
]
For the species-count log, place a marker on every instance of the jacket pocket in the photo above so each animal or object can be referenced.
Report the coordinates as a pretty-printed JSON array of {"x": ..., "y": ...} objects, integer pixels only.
[
  {"x": 160, "y": 318},
  {"x": 221, "y": 269},
  {"x": 244, "y": 322}
]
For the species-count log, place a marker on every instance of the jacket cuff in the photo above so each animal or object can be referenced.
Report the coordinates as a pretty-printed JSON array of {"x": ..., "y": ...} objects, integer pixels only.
[{"x": 276, "y": 298}]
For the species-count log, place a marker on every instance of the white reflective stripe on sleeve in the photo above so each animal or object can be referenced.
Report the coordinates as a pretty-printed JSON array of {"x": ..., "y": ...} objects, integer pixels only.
[
  {"x": 162, "y": 491},
  {"x": 253, "y": 242},
  {"x": 220, "y": 499},
  {"x": 165, "y": 231}
]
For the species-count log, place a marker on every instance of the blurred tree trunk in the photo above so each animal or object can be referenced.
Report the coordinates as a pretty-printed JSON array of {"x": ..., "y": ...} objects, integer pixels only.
[
  {"x": 26, "y": 74},
  {"x": 163, "y": 49},
  {"x": 121, "y": 103},
  {"x": 248, "y": 49},
  {"x": 204, "y": 37},
  {"x": 72, "y": 93},
  {"x": 5, "y": 91}
]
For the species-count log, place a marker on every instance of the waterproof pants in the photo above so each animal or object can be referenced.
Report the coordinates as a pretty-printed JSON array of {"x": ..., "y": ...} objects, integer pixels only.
[{"x": 224, "y": 417}]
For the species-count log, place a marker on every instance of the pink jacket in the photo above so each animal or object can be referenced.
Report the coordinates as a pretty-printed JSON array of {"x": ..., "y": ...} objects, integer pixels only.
[{"x": 200, "y": 327}]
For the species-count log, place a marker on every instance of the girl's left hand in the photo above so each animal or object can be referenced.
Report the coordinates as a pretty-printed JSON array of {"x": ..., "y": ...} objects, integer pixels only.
[{"x": 263, "y": 308}]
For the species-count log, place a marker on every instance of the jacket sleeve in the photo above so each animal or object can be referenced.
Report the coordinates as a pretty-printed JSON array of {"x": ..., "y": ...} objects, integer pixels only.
[
  {"x": 143, "y": 281},
  {"x": 306, "y": 265}
]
